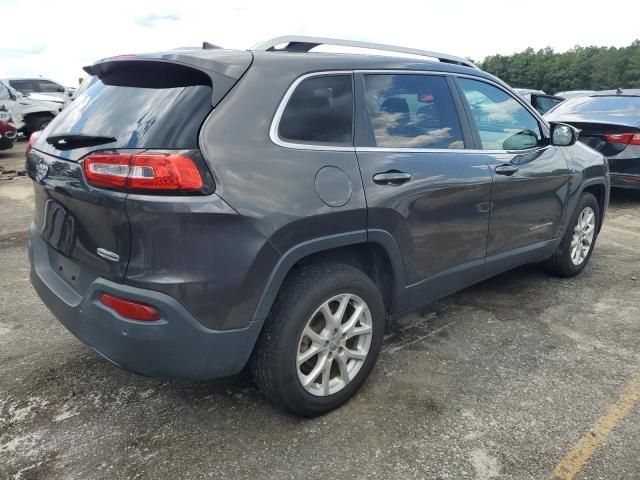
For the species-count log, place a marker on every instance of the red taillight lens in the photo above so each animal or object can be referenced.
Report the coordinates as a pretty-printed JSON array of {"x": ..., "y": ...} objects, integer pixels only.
[
  {"x": 130, "y": 309},
  {"x": 32, "y": 139},
  {"x": 146, "y": 171},
  {"x": 624, "y": 138},
  {"x": 164, "y": 172}
]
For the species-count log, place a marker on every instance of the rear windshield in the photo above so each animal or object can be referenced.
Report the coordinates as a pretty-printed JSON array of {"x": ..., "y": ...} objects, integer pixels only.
[
  {"x": 598, "y": 104},
  {"x": 138, "y": 113}
]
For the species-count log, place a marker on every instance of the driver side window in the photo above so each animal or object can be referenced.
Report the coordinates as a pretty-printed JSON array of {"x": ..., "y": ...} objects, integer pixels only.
[
  {"x": 4, "y": 93},
  {"x": 502, "y": 122}
]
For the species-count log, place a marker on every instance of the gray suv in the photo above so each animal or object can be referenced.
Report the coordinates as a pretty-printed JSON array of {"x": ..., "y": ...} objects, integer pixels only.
[{"x": 198, "y": 211}]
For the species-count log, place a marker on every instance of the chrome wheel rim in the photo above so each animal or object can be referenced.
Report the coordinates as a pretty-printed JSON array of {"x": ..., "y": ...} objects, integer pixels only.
[
  {"x": 334, "y": 345},
  {"x": 583, "y": 234}
]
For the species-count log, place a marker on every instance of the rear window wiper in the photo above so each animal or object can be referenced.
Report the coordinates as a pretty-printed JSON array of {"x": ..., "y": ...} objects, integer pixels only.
[{"x": 69, "y": 141}]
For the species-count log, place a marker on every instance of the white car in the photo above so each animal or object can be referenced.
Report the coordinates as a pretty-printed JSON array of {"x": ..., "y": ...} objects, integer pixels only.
[
  {"x": 29, "y": 114},
  {"x": 41, "y": 89}
]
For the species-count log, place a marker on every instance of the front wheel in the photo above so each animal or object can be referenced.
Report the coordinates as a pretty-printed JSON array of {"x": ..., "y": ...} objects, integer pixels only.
[
  {"x": 321, "y": 339},
  {"x": 36, "y": 123},
  {"x": 576, "y": 246}
]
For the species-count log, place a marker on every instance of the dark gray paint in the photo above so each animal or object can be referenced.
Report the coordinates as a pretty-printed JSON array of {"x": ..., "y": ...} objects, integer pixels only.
[{"x": 220, "y": 259}]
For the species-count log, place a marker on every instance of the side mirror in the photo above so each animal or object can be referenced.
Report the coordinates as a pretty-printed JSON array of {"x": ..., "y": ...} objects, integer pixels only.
[{"x": 563, "y": 135}]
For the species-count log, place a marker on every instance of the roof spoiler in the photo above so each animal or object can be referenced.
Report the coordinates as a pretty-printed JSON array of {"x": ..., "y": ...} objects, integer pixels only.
[{"x": 295, "y": 43}]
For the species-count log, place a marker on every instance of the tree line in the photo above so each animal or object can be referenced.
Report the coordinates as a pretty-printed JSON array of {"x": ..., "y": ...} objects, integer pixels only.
[{"x": 581, "y": 68}]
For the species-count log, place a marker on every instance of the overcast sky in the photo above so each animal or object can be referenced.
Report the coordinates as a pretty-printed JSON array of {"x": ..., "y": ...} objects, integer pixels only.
[{"x": 56, "y": 38}]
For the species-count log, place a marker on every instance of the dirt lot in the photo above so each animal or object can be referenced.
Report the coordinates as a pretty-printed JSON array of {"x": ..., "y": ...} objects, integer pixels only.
[{"x": 513, "y": 378}]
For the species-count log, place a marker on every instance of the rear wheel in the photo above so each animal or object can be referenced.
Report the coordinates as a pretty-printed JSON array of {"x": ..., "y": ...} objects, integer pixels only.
[
  {"x": 576, "y": 246},
  {"x": 321, "y": 339}
]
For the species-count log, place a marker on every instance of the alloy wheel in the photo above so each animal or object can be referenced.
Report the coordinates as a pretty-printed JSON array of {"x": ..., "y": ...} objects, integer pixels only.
[
  {"x": 334, "y": 344},
  {"x": 583, "y": 234}
]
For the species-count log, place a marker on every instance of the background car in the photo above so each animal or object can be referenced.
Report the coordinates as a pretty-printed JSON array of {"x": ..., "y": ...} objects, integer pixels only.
[
  {"x": 610, "y": 123},
  {"x": 574, "y": 93},
  {"x": 8, "y": 131},
  {"x": 541, "y": 101},
  {"x": 28, "y": 114},
  {"x": 41, "y": 89}
]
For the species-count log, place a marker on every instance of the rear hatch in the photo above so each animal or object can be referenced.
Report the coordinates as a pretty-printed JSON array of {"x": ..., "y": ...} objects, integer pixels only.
[{"x": 135, "y": 129}]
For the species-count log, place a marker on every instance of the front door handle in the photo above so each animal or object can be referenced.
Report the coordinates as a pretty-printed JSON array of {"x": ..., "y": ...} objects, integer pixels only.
[
  {"x": 507, "y": 169},
  {"x": 392, "y": 178}
]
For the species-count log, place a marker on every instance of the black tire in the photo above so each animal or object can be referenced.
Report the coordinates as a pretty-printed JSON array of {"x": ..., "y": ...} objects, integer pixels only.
[
  {"x": 273, "y": 363},
  {"x": 561, "y": 263},
  {"x": 36, "y": 124}
]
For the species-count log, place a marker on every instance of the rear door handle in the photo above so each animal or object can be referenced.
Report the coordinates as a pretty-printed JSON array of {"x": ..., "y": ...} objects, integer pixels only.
[
  {"x": 392, "y": 178},
  {"x": 507, "y": 169}
]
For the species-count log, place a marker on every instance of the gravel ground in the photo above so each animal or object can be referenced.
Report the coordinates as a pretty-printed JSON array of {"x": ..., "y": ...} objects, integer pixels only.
[{"x": 498, "y": 381}]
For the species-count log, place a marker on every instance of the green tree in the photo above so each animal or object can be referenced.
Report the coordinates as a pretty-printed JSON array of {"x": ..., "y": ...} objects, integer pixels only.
[{"x": 581, "y": 68}]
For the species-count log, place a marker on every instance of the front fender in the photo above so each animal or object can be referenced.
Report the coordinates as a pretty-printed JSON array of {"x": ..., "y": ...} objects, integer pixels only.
[{"x": 588, "y": 168}]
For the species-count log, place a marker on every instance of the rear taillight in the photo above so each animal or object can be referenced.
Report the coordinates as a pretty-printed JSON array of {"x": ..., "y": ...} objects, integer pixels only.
[
  {"x": 130, "y": 309},
  {"x": 623, "y": 138},
  {"x": 32, "y": 139},
  {"x": 145, "y": 171}
]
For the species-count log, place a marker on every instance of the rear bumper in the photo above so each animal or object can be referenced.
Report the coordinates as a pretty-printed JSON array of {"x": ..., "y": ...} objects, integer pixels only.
[
  {"x": 630, "y": 181},
  {"x": 176, "y": 346}
]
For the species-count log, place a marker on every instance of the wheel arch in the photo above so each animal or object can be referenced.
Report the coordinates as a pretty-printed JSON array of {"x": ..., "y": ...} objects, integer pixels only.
[
  {"x": 599, "y": 187},
  {"x": 38, "y": 113},
  {"x": 599, "y": 190},
  {"x": 374, "y": 252},
  {"x": 29, "y": 118}
]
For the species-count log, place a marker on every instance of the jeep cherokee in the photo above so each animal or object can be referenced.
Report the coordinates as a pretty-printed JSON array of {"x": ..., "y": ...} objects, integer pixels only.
[{"x": 202, "y": 210}]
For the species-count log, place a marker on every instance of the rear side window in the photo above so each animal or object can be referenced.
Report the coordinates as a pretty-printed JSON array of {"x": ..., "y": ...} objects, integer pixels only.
[
  {"x": 48, "y": 87},
  {"x": 412, "y": 111},
  {"x": 320, "y": 111},
  {"x": 544, "y": 104},
  {"x": 145, "y": 106}
]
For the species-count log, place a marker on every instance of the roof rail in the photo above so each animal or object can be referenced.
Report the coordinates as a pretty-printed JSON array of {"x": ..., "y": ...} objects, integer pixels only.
[{"x": 297, "y": 43}]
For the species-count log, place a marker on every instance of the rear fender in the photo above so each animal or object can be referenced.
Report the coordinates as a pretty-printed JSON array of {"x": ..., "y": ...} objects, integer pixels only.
[{"x": 297, "y": 253}]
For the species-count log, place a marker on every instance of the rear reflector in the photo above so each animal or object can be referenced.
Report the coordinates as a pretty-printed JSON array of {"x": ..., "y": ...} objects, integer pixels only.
[
  {"x": 624, "y": 138},
  {"x": 146, "y": 171},
  {"x": 130, "y": 309},
  {"x": 631, "y": 179}
]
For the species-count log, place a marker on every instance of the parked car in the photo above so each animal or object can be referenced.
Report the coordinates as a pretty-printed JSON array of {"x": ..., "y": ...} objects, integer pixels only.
[
  {"x": 609, "y": 122},
  {"x": 540, "y": 100},
  {"x": 41, "y": 89},
  {"x": 29, "y": 114},
  {"x": 198, "y": 211},
  {"x": 7, "y": 129},
  {"x": 574, "y": 93}
]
